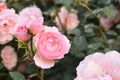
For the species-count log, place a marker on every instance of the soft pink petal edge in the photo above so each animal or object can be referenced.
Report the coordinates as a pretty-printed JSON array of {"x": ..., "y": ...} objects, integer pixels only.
[{"x": 42, "y": 62}]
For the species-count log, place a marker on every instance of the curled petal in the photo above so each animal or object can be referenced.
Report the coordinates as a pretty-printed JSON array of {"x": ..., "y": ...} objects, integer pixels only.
[{"x": 43, "y": 62}]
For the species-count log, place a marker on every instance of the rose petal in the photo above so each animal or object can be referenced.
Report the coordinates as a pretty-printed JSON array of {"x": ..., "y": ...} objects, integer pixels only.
[{"x": 42, "y": 62}]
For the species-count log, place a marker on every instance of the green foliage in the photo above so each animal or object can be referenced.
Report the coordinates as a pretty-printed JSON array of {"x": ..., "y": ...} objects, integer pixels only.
[
  {"x": 109, "y": 11},
  {"x": 16, "y": 76}
]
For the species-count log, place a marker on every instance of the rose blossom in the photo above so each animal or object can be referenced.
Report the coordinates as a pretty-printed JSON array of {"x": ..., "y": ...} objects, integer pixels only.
[
  {"x": 9, "y": 57},
  {"x": 35, "y": 25},
  {"x": 68, "y": 19},
  {"x": 33, "y": 18},
  {"x": 107, "y": 23},
  {"x": 2, "y": 6},
  {"x": 100, "y": 66},
  {"x": 22, "y": 33},
  {"x": 31, "y": 11},
  {"x": 8, "y": 20},
  {"x": 51, "y": 45}
]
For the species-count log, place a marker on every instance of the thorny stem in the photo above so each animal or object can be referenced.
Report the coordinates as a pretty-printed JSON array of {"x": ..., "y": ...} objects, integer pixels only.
[{"x": 100, "y": 28}]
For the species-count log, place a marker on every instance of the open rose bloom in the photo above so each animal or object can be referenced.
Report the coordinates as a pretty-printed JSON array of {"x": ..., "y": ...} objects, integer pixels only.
[
  {"x": 51, "y": 45},
  {"x": 9, "y": 57},
  {"x": 100, "y": 66},
  {"x": 8, "y": 20},
  {"x": 68, "y": 19}
]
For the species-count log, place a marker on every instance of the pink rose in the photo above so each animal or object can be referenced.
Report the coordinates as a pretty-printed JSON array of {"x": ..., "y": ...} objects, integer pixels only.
[
  {"x": 9, "y": 57},
  {"x": 31, "y": 11},
  {"x": 8, "y": 20},
  {"x": 117, "y": 17},
  {"x": 35, "y": 25},
  {"x": 22, "y": 33},
  {"x": 108, "y": 23},
  {"x": 99, "y": 66},
  {"x": 51, "y": 45},
  {"x": 68, "y": 19},
  {"x": 2, "y": 6},
  {"x": 5, "y": 38},
  {"x": 32, "y": 18}
]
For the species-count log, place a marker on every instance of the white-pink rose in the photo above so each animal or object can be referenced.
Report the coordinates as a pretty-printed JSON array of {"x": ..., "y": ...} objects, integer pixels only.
[
  {"x": 100, "y": 66},
  {"x": 9, "y": 57},
  {"x": 51, "y": 45},
  {"x": 22, "y": 33},
  {"x": 8, "y": 20},
  {"x": 68, "y": 19}
]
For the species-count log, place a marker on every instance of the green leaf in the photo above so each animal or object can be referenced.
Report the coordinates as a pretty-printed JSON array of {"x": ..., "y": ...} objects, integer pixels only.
[
  {"x": 113, "y": 33},
  {"x": 89, "y": 28},
  {"x": 98, "y": 39},
  {"x": 80, "y": 42},
  {"x": 104, "y": 2},
  {"x": 118, "y": 26},
  {"x": 16, "y": 76},
  {"x": 95, "y": 46},
  {"x": 1, "y": 65},
  {"x": 75, "y": 32},
  {"x": 49, "y": 11},
  {"x": 65, "y": 2},
  {"x": 30, "y": 69},
  {"x": 109, "y": 11},
  {"x": 96, "y": 11}
]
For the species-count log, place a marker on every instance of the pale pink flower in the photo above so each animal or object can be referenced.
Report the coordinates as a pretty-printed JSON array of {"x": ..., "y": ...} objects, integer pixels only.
[
  {"x": 2, "y": 6},
  {"x": 35, "y": 25},
  {"x": 107, "y": 23},
  {"x": 68, "y": 19},
  {"x": 22, "y": 33},
  {"x": 117, "y": 17},
  {"x": 51, "y": 45},
  {"x": 31, "y": 11},
  {"x": 32, "y": 18},
  {"x": 5, "y": 38},
  {"x": 99, "y": 66},
  {"x": 8, "y": 20},
  {"x": 9, "y": 57},
  {"x": 42, "y": 62}
]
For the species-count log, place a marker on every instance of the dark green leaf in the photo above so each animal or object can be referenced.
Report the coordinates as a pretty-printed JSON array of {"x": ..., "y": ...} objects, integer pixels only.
[{"x": 16, "y": 76}]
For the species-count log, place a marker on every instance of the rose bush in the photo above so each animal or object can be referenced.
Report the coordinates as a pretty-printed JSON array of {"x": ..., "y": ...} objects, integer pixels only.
[{"x": 42, "y": 38}]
